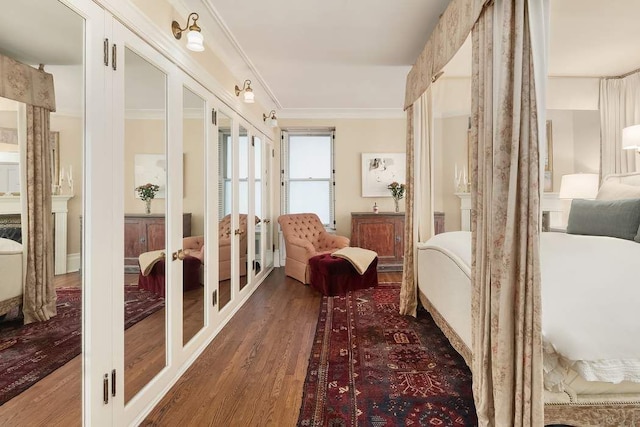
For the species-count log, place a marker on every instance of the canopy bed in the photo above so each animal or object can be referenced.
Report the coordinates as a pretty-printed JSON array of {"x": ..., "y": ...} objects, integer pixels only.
[
  {"x": 590, "y": 296},
  {"x": 497, "y": 322}
]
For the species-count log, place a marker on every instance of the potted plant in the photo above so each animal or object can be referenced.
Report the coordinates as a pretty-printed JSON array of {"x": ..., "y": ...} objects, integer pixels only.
[
  {"x": 147, "y": 192},
  {"x": 397, "y": 192}
]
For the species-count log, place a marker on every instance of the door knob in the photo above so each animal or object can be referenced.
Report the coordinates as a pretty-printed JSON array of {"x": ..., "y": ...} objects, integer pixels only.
[
  {"x": 238, "y": 232},
  {"x": 178, "y": 255},
  {"x": 267, "y": 221}
]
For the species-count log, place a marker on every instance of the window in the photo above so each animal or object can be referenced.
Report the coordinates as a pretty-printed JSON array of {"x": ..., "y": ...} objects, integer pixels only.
[{"x": 308, "y": 174}]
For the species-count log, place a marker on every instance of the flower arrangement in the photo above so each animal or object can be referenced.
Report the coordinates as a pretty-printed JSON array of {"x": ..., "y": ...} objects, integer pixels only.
[
  {"x": 147, "y": 191},
  {"x": 397, "y": 190}
]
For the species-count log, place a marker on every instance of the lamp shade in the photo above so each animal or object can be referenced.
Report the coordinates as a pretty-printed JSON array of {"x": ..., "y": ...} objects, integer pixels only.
[
  {"x": 579, "y": 186},
  {"x": 195, "y": 41},
  {"x": 248, "y": 96},
  {"x": 631, "y": 138},
  {"x": 273, "y": 122}
]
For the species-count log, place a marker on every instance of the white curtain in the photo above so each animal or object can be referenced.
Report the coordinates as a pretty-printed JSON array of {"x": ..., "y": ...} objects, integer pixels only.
[
  {"x": 423, "y": 176},
  {"x": 619, "y": 108},
  {"x": 419, "y": 201}
]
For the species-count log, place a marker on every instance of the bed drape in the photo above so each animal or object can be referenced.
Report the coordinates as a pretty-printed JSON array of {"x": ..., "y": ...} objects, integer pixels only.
[
  {"x": 506, "y": 301},
  {"x": 39, "y": 300},
  {"x": 35, "y": 88},
  {"x": 507, "y": 109},
  {"x": 619, "y": 108}
]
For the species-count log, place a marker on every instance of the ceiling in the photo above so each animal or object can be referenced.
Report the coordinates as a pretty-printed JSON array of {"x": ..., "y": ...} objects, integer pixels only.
[{"x": 319, "y": 58}]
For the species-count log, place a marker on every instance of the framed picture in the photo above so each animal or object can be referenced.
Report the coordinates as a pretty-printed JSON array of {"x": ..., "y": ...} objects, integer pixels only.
[
  {"x": 151, "y": 168},
  {"x": 381, "y": 169}
]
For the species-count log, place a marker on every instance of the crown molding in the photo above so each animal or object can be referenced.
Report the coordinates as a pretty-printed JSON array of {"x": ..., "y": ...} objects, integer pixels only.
[
  {"x": 341, "y": 113},
  {"x": 224, "y": 28}
]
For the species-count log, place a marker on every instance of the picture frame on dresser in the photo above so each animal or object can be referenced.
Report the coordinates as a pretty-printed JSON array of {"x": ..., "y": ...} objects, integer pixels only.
[{"x": 381, "y": 169}]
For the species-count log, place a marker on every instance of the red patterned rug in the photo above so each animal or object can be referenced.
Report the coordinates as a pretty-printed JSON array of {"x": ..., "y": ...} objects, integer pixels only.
[
  {"x": 370, "y": 366},
  {"x": 29, "y": 353}
]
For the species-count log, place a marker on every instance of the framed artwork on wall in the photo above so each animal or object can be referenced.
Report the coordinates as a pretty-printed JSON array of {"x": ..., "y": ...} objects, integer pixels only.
[
  {"x": 151, "y": 168},
  {"x": 381, "y": 169}
]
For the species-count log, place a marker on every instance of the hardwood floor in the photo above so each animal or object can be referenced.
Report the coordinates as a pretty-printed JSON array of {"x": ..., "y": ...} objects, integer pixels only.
[{"x": 251, "y": 374}]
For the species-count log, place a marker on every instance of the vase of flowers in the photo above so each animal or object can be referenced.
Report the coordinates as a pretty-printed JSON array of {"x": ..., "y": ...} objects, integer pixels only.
[
  {"x": 397, "y": 192},
  {"x": 147, "y": 192}
]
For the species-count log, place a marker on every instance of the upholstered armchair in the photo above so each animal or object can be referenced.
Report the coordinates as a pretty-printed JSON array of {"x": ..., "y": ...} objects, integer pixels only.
[
  {"x": 305, "y": 237},
  {"x": 194, "y": 246},
  {"x": 224, "y": 243}
]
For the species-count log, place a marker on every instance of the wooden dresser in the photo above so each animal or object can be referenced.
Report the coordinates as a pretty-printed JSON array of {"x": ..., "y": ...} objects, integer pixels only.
[
  {"x": 384, "y": 233},
  {"x": 144, "y": 233}
]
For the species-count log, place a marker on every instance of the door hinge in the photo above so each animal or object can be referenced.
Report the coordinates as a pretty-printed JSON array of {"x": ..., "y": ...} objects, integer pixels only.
[
  {"x": 106, "y": 52},
  {"x": 273, "y": 248},
  {"x": 253, "y": 141},
  {"x": 114, "y": 57},
  {"x": 113, "y": 383},
  {"x": 273, "y": 152},
  {"x": 214, "y": 298},
  {"x": 214, "y": 116},
  {"x": 105, "y": 389}
]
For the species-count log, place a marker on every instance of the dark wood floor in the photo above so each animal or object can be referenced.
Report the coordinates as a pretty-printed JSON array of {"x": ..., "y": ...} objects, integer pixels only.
[{"x": 251, "y": 374}]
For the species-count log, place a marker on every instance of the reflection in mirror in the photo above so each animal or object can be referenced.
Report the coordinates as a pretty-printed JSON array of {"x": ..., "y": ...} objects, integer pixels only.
[
  {"x": 258, "y": 262},
  {"x": 225, "y": 174},
  {"x": 34, "y": 369},
  {"x": 243, "y": 205},
  {"x": 266, "y": 203},
  {"x": 193, "y": 142},
  {"x": 145, "y": 226}
]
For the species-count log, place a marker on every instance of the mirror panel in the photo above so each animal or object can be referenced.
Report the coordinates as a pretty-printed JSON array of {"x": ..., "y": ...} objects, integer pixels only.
[
  {"x": 258, "y": 262},
  {"x": 145, "y": 226},
  {"x": 225, "y": 198},
  {"x": 35, "y": 368},
  {"x": 194, "y": 203},
  {"x": 267, "y": 226},
  {"x": 243, "y": 205}
]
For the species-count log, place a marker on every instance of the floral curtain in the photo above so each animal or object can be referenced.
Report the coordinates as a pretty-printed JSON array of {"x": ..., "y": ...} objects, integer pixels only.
[
  {"x": 39, "y": 300},
  {"x": 619, "y": 108},
  {"x": 450, "y": 33},
  {"x": 506, "y": 300},
  {"x": 408, "y": 290},
  {"x": 26, "y": 84}
]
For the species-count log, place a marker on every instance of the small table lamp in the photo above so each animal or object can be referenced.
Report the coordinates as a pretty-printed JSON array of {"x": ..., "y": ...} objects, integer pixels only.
[
  {"x": 631, "y": 138},
  {"x": 579, "y": 186}
]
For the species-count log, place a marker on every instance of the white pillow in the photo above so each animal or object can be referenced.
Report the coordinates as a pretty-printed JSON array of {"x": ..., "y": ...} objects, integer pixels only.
[{"x": 616, "y": 191}]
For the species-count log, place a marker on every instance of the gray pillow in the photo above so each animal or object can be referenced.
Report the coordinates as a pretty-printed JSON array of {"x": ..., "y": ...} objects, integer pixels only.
[{"x": 613, "y": 218}]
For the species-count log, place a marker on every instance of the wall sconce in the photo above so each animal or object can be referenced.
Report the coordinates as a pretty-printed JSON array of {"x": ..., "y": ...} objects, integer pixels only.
[
  {"x": 195, "y": 41},
  {"x": 273, "y": 120},
  {"x": 631, "y": 138},
  {"x": 248, "y": 92}
]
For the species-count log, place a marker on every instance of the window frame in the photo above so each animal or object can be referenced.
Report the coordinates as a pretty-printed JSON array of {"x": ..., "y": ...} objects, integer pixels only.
[{"x": 285, "y": 179}]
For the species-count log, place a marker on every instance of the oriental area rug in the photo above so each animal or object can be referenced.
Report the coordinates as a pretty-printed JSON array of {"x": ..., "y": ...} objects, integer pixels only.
[
  {"x": 30, "y": 352},
  {"x": 370, "y": 366}
]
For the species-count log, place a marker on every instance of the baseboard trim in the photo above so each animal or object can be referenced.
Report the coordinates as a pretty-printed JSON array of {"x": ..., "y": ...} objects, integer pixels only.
[{"x": 73, "y": 262}]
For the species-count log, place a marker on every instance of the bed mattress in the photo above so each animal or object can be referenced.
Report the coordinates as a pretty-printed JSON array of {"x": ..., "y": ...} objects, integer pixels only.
[{"x": 590, "y": 296}]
